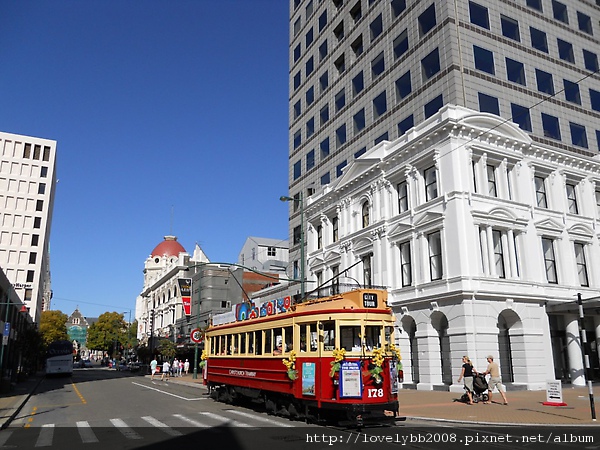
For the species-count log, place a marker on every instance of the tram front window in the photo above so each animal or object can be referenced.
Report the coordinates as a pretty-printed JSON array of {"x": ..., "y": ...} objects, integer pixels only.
[
  {"x": 372, "y": 337},
  {"x": 328, "y": 336},
  {"x": 350, "y": 338}
]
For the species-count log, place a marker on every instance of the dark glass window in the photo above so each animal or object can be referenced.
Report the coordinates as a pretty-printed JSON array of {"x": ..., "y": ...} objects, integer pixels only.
[
  {"x": 296, "y": 80},
  {"x": 585, "y": 22},
  {"x": 358, "y": 83},
  {"x": 322, "y": 20},
  {"x": 565, "y": 50},
  {"x": 297, "y": 109},
  {"x": 340, "y": 64},
  {"x": 484, "y": 59},
  {"x": 324, "y": 81},
  {"x": 398, "y": 6},
  {"x": 427, "y": 20},
  {"x": 42, "y": 188},
  {"x": 356, "y": 12},
  {"x": 376, "y": 27},
  {"x": 323, "y": 50},
  {"x": 324, "y": 114},
  {"x": 403, "y": 86},
  {"x": 297, "y": 170},
  {"x": 559, "y": 11},
  {"x": 401, "y": 44},
  {"x": 433, "y": 106},
  {"x": 578, "y": 135},
  {"x": 340, "y": 100},
  {"x": 510, "y": 28},
  {"x": 297, "y": 53},
  {"x": 359, "y": 121},
  {"x": 357, "y": 46},
  {"x": 551, "y": 126},
  {"x": 520, "y": 116},
  {"x": 538, "y": 40},
  {"x": 378, "y": 66},
  {"x": 515, "y": 71},
  {"x": 488, "y": 104},
  {"x": 595, "y": 99},
  {"x": 339, "y": 169},
  {"x": 310, "y": 160},
  {"x": 310, "y": 37},
  {"x": 479, "y": 15},
  {"x": 544, "y": 82},
  {"x": 430, "y": 65},
  {"x": 39, "y": 205},
  {"x": 379, "y": 105},
  {"x": 310, "y": 66},
  {"x": 338, "y": 31},
  {"x": 340, "y": 136},
  {"x": 310, "y": 127},
  {"x": 591, "y": 61},
  {"x": 325, "y": 179},
  {"x": 535, "y": 4},
  {"x": 297, "y": 139},
  {"x": 361, "y": 152},
  {"x": 383, "y": 137},
  {"x": 572, "y": 92},
  {"x": 310, "y": 95},
  {"x": 406, "y": 124},
  {"x": 324, "y": 146}
]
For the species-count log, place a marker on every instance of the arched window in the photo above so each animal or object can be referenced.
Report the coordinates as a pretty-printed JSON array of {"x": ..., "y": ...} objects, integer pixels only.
[{"x": 365, "y": 214}]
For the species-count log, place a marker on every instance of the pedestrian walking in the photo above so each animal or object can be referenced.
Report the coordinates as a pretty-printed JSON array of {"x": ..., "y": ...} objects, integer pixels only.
[
  {"x": 175, "y": 367},
  {"x": 467, "y": 373},
  {"x": 495, "y": 379},
  {"x": 153, "y": 365},
  {"x": 186, "y": 366},
  {"x": 165, "y": 370}
]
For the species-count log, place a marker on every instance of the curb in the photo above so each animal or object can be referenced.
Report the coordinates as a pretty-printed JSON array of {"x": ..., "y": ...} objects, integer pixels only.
[{"x": 26, "y": 398}]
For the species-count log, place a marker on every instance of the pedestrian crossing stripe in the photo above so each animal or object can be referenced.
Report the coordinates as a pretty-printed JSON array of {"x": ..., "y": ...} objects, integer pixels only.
[{"x": 162, "y": 426}]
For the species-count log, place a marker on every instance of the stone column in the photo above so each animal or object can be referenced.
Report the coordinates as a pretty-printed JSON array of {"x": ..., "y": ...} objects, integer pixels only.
[{"x": 576, "y": 369}]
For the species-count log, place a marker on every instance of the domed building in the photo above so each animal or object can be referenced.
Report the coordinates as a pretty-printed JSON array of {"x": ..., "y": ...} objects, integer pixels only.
[{"x": 159, "y": 306}]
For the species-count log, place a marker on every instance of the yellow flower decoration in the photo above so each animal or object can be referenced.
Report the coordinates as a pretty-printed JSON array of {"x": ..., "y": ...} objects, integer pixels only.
[
  {"x": 290, "y": 365},
  {"x": 203, "y": 359},
  {"x": 378, "y": 357},
  {"x": 338, "y": 357}
]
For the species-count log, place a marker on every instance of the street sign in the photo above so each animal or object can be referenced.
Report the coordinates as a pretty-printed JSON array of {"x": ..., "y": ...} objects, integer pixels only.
[
  {"x": 6, "y": 329},
  {"x": 196, "y": 335}
]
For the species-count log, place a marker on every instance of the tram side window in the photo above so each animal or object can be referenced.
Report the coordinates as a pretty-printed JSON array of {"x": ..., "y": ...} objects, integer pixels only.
[
  {"x": 372, "y": 337},
  {"x": 303, "y": 329},
  {"x": 329, "y": 335},
  {"x": 268, "y": 341},
  {"x": 258, "y": 342},
  {"x": 314, "y": 337},
  {"x": 289, "y": 339},
  {"x": 213, "y": 345},
  {"x": 226, "y": 345},
  {"x": 350, "y": 338},
  {"x": 278, "y": 340},
  {"x": 234, "y": 344},
  {"x": 250, "y": 343}
]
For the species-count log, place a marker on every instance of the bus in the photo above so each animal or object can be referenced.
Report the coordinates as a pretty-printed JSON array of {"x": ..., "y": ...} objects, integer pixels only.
[
  {"x": 59, "y": 358},
  {"x": 332, "y": 358}
]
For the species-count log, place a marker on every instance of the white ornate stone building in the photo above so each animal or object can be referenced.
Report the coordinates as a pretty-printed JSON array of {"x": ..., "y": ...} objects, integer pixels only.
[{"x": 483, "y": 239}]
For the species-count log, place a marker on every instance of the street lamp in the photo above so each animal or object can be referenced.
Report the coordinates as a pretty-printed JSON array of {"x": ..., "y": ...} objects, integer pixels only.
[{"x": 300, "y": 200}]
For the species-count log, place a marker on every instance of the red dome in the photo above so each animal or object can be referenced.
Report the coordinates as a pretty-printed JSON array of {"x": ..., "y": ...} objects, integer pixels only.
[{"x": 168, "y": 247}]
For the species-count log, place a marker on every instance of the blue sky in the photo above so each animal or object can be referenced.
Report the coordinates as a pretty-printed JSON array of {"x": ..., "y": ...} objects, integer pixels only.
[{"x": 170, "y": 117}]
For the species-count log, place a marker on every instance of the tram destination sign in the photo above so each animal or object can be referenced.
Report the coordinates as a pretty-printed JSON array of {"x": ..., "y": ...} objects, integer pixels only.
[{"x": 369, "y": 300}]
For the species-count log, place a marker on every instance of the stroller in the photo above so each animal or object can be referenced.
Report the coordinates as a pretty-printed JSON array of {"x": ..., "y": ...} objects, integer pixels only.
[{"x": 480, "y": 388}]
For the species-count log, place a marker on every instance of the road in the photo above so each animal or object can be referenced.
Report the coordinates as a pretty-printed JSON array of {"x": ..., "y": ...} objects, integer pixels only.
[{"x": 99, "y": 408}]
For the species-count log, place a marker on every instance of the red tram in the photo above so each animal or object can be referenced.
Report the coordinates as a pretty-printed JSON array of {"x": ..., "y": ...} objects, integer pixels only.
[{"x": 331, "y": 358}]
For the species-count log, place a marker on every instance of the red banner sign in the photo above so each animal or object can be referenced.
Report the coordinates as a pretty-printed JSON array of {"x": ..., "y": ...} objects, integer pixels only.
[{"x": 185, "y": 286}]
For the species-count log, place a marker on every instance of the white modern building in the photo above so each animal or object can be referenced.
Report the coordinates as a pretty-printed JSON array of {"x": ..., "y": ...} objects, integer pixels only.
[
  {"x": 482, "y": 237},
  {"x": 367, "y": 81},
  {"x": 27, "y": 186},
  {"x": 264, "y": 254}
]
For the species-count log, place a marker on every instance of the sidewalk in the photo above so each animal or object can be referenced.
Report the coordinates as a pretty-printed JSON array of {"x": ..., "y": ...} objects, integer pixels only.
[{"x": 524, "y": 408}]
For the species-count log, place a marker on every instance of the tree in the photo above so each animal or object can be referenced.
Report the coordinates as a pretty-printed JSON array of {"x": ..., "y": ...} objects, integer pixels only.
[
  {"x": 53, "y": 326},
  {"x": 167, "y": 348},
  {"x": 108, "y": 333}
]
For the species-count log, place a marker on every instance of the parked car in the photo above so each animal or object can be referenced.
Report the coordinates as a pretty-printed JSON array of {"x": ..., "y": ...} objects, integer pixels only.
[{"x": 84, "y": 363}]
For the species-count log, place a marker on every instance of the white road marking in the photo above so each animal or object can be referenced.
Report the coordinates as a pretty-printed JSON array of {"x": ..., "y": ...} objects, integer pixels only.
[
  {"x": 168, "y": 393},
  {"x": 191, "y": 421},
  {"x": 4, "y": 437},
  {"x": 260, "y": 418},
  {"x": 224, "y": 419},
  {"x": 125, "y": 429},
  {"x": 86, "y": 433},
  {"x": 46, "y": 436},
  {"x": 162, "y": 426}
]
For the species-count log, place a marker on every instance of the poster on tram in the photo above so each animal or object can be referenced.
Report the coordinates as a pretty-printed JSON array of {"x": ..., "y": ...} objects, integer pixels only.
[{"x": 350, "y": 380}]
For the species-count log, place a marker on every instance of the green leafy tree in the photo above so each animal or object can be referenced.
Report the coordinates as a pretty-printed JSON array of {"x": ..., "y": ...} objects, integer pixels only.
[
  {"x": 108, "y": 333},
  {"x": 53, "y": 326},
  {"x": 167, "y": 349}
]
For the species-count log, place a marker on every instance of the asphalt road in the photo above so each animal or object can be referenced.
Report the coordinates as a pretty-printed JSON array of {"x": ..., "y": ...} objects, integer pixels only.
[{"x": 103, "y": 409}]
